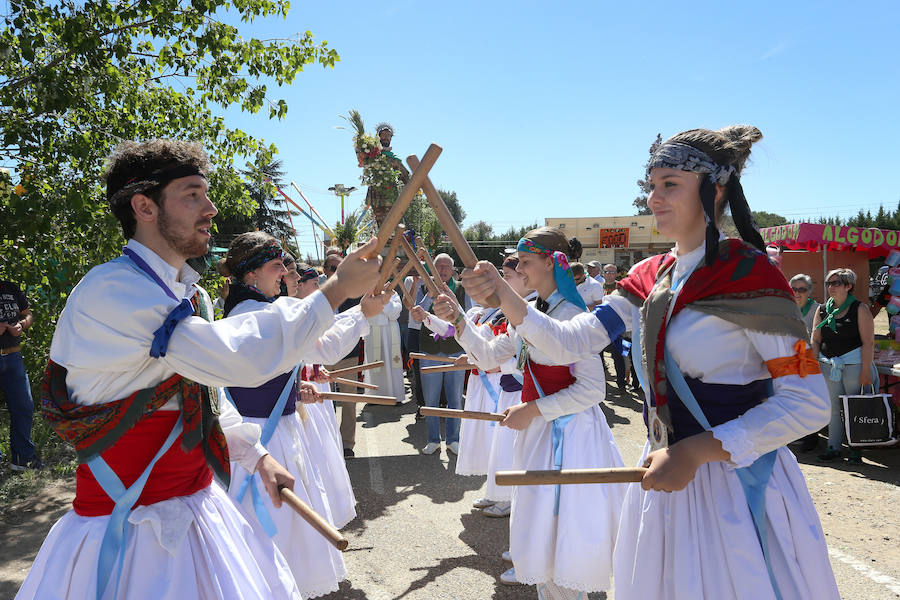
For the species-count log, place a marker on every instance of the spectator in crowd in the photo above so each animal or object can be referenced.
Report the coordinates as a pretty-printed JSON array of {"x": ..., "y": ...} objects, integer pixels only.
[
  {"x": 802, "y": 287},
  {"x": 443, "y": 343},
  {"x": 16, "y": 318},
  {"x": 575, "y": 250},
  {"x": 609, "y": 286},
  {"x": 844, "y": 340},
  {"x": 416, "y": 289},
  {"x": 354, "y": 357},
  {"x": 595, "y": 270},
  {"x": 590, "y": 289},
  {"x": 609, "y": 278}
]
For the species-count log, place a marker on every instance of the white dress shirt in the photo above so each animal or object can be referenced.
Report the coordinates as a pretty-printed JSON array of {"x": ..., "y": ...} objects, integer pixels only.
[{"x": 715, "y": 351}]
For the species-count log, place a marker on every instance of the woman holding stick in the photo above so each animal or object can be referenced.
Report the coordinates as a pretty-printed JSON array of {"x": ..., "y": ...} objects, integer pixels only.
[
  {"x": 321, "y": 427},
  {"x": 255, "y": 265},
  {"x": 561, "y": 539},
  {"x": 723, "y": 510}
]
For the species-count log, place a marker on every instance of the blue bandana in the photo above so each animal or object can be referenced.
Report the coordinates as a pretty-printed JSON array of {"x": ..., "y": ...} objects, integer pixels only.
[{"x": 562, "y": 273}]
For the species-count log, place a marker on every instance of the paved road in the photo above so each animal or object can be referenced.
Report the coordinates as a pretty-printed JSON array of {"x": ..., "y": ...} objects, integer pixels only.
[{"x": 417, "y": 536}]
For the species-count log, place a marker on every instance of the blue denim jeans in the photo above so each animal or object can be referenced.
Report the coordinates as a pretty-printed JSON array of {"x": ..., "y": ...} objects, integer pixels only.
[
  {"x": 452, "y": 383},
  {"x": 16, "y": 389}
]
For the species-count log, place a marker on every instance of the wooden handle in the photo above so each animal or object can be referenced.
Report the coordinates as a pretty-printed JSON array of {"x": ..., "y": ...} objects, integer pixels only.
[
  {"x": 353, "y": 382},
  {"x": 359, "y": 398},
  {"x": 357, "y": 368},
  {"x": 423, "y": 356},
  {"x": 405, "y": 297},
  {"x": 326, "y": 529},
  {"x": 388, "y": 265},
  {"x": 438, "y": 284},
  {"x": 393, "y": 218},
  {"x": 393, "y": 272},
  {"x": 573, "y": 476},
  {"x": 459, "y": 241},
  {"x": 452, "y": 413},
  {"x": 446, "y": 368},
  {"x": 399, "y": 277},
  {"x": 418, "y": 266}
]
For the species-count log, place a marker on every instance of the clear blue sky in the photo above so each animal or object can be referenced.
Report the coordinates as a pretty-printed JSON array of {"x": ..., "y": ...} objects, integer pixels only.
[{"x": 548, "y": 109}]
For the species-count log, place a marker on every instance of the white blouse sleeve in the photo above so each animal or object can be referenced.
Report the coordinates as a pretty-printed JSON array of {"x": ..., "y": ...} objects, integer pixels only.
[
  {"x": 393, "y": 308},
  {"x": 242, "y": 438},
  {"x": 248, "y": 349},
  {"x": 487, "y": 352},
  {"x": 340, "y": 338},
  {"x": 799, "y": 406},
  {"x": 582, "y": 335},
  {"x": 589, "y": 389}
]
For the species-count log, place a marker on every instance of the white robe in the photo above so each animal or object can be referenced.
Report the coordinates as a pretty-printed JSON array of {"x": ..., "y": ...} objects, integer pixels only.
[
  {"x": 317, "y": 566},
  {"x": 198, "y": 546},
  {"x": 700, "y": 542},
  {"x": 383, "y": 343},
  {"x": 575, "y": 548}
]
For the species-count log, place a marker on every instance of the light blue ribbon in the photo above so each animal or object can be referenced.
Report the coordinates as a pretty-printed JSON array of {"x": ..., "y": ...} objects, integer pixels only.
[
  {"x": 491, "y": 390},
  {"x": 115, "y": 538},
  {"x": 754, "y": 478},
  {"x": 557, "y": 426},
  {"x": 837, "y": 363},
  {"x": 268, "y": 430}
]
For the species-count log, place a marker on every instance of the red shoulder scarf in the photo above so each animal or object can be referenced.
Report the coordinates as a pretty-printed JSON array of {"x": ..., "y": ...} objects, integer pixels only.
[{"x": 740, "y": 273}]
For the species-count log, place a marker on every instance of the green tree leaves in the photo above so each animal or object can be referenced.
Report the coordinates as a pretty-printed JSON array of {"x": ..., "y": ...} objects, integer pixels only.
[{"x": 78, "y": 77}]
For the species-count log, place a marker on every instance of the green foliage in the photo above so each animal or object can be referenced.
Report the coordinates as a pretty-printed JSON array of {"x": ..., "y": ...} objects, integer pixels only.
[
  {"x": 767, "y": 219},
  {"x": 640, "y": 203},
  {"x": 78, "y": 77},
  {"x": 263, "y": 197},
  {"x": 480, "y": 230}
]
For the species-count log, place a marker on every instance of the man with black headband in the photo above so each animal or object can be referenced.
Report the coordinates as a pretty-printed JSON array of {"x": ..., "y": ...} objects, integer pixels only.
[{"x": 135, "y": 367}]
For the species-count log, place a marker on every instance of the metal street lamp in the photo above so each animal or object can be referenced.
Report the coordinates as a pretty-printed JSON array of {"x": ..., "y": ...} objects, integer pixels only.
[{"x": 341, "y": 191}]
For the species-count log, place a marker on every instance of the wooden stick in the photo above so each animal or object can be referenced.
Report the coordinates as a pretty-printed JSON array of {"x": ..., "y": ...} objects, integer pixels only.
[
  {"x": 326, "y": 529},
  {"x": 356, "y": 369},
  {"x": 353, "y": 382},
  {"x": 446, "y": 368},
  {"x": 423, "y": 356},
  {"x": 401, "y": 276},
  {"x": 452, "y": 413},
  {"x": 418, "y": 267},
  {"x": 573, "y": 476},
  {"x": 397, "y": 211},
  {"x": 393, "y": 272},
  {"x": 388, "y": 265},
  {"x": 405, "y": 297},
  {"x": 440, "y": 285},
  {"x": 466, "y": 255},
  {"x": 359, "y": 398}
]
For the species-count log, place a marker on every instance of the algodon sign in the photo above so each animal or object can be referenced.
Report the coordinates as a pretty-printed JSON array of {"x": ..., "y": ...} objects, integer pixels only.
[{"x": 812, "y": 236}]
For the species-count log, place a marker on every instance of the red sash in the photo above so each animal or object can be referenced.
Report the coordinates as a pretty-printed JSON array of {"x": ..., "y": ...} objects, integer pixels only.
[
  {"x": 177, "y": 473},
  {"x": 552, "y": 380}
]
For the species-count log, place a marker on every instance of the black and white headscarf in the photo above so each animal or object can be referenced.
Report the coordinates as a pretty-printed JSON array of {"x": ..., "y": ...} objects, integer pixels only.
[{"x": 684, "y": 157}]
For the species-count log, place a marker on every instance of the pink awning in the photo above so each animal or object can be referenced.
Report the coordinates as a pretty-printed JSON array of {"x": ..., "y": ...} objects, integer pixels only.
[{"x": 811, "y": 236}]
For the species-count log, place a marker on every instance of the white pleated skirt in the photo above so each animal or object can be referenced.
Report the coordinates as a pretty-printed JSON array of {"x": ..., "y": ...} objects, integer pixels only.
[
  {"x": 501, "y": 457},
  {"x": 476, "y": 437},
  {"x": 197, "y": 547},
  {"x": 700, "y": 543},
  {"x": 318, "y": 567},
  {"x": 328, "y": 455},
  {"x": 575, "y": 549}
]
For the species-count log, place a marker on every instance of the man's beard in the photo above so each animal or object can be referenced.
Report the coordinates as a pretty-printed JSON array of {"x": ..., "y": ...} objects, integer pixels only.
[{"x": 189, "y": 246}]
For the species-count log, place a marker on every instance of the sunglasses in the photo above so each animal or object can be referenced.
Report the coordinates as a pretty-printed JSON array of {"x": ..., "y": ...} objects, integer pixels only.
[
  {"x": 800, "y": 290},
  {"x": 835, "y": 283}
]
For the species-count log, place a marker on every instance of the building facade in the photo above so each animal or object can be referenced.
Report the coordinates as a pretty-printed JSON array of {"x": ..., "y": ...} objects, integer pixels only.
[{"x": 622, "y": 241}]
